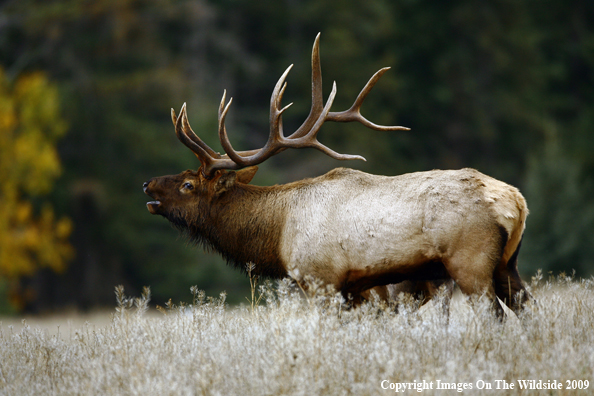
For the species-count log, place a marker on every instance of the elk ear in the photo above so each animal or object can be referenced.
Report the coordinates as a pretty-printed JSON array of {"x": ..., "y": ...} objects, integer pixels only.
[
  {"x": 225, "y": 182},
  {"x": 247, "y": 174}
]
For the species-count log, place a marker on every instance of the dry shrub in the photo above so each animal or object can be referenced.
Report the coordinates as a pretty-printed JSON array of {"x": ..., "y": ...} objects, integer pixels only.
[{"x": 286, "y": 344}]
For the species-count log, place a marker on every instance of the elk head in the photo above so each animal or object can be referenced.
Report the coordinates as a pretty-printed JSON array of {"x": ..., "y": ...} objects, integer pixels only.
[{"x": 219, "y": 173}]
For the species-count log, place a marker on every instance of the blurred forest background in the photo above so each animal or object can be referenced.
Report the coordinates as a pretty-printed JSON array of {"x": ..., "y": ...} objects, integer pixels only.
[{"x": 86, "y": 87}]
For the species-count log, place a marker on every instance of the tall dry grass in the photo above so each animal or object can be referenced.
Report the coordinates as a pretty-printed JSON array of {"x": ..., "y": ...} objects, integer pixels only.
[{"x": 285, "y": 344}]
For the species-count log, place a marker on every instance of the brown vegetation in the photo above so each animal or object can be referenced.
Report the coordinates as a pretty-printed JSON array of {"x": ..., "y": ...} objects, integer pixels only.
[{"x": 302, "y": 346}]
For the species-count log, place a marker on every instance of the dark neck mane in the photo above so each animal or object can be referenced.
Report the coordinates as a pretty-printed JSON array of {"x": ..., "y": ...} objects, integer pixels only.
[{"x": 244, "y": 225}]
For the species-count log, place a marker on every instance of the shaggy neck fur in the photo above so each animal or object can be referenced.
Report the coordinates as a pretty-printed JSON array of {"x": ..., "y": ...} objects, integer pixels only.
[{"x": 240, "y": 225}]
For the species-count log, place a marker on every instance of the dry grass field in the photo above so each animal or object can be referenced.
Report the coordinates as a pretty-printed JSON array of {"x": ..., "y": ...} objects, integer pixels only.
[{"x": 286, "y": 344}]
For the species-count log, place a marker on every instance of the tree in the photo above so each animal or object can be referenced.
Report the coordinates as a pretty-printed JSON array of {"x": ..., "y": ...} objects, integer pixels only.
[
  {"x": 30, "y": 234},
  {"x": 120, "y": 67},
  {"x": 559, "y": 230},
  {"x": 479, "y": 83}
]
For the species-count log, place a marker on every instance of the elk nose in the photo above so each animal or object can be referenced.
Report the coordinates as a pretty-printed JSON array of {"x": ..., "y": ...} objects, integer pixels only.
[{"x": 145, "y": 186}]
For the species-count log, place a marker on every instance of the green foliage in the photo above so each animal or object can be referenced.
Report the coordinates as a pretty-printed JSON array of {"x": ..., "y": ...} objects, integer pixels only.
[
  {"x": 559, "y": 232},
  {"x": 479, "y": 83}
]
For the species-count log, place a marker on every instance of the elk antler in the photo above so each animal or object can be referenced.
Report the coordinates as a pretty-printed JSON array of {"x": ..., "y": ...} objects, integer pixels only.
[{"x": 304, "y": 136}]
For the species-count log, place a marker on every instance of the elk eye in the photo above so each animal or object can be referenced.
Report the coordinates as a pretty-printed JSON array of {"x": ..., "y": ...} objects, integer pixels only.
[{"x": 188, "y": 186}]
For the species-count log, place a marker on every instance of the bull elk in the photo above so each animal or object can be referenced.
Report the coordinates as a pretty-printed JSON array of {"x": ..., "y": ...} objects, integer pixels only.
[{"x": 349, "y": 229}]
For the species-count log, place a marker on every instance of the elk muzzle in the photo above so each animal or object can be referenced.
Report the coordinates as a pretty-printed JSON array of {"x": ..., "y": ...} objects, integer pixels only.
[{"x": 152, "y": 206}]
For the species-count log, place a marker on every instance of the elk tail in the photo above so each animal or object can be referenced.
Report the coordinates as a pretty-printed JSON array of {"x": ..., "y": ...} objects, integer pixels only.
[{"x": 512, "y": 247}]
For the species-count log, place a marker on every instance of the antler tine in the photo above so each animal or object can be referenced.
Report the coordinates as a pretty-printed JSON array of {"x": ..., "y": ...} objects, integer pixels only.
[
  {"x": 275, "y": 137},
  {"x": 173, "y": 117},
  {"x": 310, "y": 139},
  {"x": 317, "y": 104},
  {"x": 317, "y": 99},
  {"x": 354, "y": 113},
  {"x": 188, "y": 133},
  {"x": 276, "y": 128},
  {"x": 223, "y": 137},
  {"x": 210, "y": 160},
  {"x": 181, "y": 127}
]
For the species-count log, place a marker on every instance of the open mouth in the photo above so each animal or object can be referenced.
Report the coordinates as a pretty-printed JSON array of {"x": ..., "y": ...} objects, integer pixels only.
[{"x": 153, "y": 206}]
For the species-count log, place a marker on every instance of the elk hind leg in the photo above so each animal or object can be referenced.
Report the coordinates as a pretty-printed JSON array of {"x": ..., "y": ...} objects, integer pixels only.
[
  {"x": 474, "y": 277},
  {"x": 508, "y": 284}
]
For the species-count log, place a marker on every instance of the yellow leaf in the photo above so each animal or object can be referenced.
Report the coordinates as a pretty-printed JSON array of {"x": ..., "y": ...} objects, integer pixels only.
[{"x": 30, "y": 125}]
